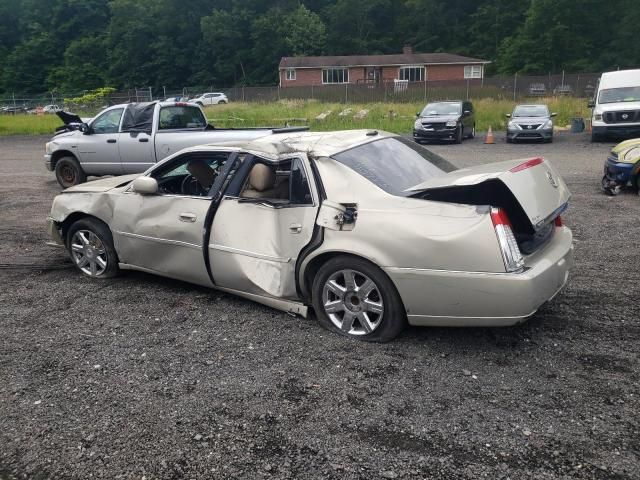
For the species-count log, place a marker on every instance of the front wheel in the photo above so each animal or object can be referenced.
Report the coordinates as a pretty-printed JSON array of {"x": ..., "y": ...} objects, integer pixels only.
[
  {"x": 459, "y": 135},
  {"x": 355, "y": 298},
  {"x": 91, "y": 249},
  {"x": 69, "y": 172},
  {"x": 473, "y": 132},
  {"x": 221, "y": 102}
]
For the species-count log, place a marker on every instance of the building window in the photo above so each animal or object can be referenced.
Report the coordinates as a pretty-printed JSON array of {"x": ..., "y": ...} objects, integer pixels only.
[
  {"x": 291, "y": 73},
  {"x": 473, "y": 71},
  {"x": 335, "y": 75},
  {"x": 412, "y": 73}
]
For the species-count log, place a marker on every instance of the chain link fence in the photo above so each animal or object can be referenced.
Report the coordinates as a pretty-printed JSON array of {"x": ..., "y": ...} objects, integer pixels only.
[{"x": 515, "y": 88}]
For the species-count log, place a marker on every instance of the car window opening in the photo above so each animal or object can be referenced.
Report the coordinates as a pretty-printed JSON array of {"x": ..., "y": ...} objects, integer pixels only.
[{"x": 284, "y": 183}]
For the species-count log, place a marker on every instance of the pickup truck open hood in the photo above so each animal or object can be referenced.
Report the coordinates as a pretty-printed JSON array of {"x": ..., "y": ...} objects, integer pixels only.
[
  {"x": 533, "y": 184},
  {"x": 102, "y": 185}
]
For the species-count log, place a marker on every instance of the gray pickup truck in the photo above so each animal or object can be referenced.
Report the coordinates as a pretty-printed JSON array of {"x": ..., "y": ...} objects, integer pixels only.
[{"x": 130, "y": 138}]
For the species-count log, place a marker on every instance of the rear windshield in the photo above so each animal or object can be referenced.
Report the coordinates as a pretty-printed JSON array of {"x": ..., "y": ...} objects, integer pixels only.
[
  {"x": 394, "y": 164},
  {"x": 181, "y": 117},
  {"x": 615, "y": 95}
]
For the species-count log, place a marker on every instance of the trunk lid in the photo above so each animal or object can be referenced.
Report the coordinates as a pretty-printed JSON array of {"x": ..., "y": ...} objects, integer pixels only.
[{"x": 533, "y": 184}]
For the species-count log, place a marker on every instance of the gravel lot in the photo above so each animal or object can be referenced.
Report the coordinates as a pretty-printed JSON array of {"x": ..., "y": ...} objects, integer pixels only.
[{"x": 143, "y": 377}]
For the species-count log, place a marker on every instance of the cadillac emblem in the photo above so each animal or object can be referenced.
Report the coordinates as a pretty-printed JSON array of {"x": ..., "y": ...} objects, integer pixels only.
[{"x": 552, "y": 180}]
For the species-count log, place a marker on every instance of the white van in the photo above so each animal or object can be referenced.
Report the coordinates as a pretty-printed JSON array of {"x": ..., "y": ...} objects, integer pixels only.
[{"x": 616, "y": 105}]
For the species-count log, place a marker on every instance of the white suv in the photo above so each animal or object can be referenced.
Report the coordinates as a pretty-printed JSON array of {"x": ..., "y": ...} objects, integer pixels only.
[{"x": 213, "y": 98}]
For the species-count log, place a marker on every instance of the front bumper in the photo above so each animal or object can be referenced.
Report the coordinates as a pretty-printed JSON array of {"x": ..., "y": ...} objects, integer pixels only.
[
  {"x": 621, "y": 173},
  {"x": 542, "y": 134},
  {"x": 618, "y": 131},
  {"x": 448, "y": 133},
  {"x": 465, "y": 299},
  {"x": 48, "y": 163},
  {"x": 54, "y": 233}
]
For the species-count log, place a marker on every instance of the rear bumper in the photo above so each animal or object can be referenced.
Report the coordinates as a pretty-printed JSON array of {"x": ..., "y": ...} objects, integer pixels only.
[
  {"x": 444, "y": 134},
  {"x": 464, "y": 299},
  {"x": 48, "y": 163},
  {"x": 544, "y": 134},
  {"x": 620, "y": 173}
]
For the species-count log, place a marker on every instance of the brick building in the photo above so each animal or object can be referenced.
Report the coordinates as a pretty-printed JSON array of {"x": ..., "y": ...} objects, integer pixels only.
[{"x": 373, "y": 69}]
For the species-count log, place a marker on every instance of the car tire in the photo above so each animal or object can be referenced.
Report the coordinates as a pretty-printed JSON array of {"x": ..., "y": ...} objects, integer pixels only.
[
  {"x": 509, "y": 140},
  {"x": 342, "y": 305},
  {"x": 221, "y": 102},
  {"x": 90, "y": 246},
  {"x": 595, "y": 138},
  {"x": 69, "y": 172},
  {"x": 472, "y": 135},
  {"x": 459, "y": 135}
]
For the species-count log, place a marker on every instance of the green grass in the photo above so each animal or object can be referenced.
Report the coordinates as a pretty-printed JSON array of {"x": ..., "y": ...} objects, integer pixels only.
[
  {"x": 392, "y": 117},
  {"x": 28, "y": 124}
]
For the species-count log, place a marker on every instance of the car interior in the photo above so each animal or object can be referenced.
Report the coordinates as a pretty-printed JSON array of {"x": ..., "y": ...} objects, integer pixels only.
[{"x": 281, "y": 184}]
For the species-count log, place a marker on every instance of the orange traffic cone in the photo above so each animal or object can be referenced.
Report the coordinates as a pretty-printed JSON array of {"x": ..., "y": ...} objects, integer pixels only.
[{"x": 489, "y": 140}]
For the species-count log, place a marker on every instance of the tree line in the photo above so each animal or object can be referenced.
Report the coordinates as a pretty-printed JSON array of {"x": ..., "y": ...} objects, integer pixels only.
[{"x": 71, "y": 45}]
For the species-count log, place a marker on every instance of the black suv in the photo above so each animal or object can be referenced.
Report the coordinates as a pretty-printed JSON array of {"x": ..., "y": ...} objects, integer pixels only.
[{"x": 450, "y": 120}]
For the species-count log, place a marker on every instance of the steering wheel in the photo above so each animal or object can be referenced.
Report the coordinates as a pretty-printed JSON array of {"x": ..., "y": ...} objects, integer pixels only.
[{"x": 191, "y": 186}]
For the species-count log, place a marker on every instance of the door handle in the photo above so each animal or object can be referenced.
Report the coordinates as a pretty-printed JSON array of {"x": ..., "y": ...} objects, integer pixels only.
[
  {"x": 143, "y": 140},
  {"x": 111, "y": 140},
  {"x": 295, "y": 228},
  {"x": 187, "y": 217}
]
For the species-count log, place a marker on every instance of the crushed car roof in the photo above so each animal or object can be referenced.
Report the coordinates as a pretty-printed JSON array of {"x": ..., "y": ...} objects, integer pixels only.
[{"x": 317, "y": 144}]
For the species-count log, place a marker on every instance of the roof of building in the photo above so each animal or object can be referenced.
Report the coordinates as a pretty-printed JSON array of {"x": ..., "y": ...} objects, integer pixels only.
[{"x": 379, "y": 60}]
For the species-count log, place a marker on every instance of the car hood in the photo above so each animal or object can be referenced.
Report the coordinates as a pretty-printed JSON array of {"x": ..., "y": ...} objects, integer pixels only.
[
  {"x": 530, "y": 120},
  {"x": 438, "y": 118},
  {"x": 534, "y": 183},
  {"x": 102, "y": 185},
  {"x": 634, "y": 142},
  {"x": 618, "y": 106}
]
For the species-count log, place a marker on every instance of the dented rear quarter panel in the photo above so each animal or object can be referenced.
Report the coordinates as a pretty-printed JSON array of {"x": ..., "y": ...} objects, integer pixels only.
[{"x": 396, "y": 231}]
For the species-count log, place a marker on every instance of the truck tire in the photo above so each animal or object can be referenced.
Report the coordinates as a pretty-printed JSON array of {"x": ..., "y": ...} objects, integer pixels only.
[{"x": 69, "y": 172}]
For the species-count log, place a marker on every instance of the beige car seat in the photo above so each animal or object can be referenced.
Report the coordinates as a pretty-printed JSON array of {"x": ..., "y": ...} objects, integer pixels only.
[{"x": 262, "y": 184}]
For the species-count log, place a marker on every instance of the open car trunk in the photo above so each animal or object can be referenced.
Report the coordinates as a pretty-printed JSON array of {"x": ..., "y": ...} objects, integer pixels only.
[{"x": 530, "y": 191}]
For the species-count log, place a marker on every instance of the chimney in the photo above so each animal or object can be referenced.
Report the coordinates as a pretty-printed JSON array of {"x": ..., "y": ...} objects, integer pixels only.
[{"x": 407, "y": 50}]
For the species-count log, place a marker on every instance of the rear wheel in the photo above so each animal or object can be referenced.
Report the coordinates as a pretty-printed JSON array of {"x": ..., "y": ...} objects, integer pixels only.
[
  {"x": 69, "y": 172},
  {"x": 473, "y": 132},
  {"x": 222, "y": 102},
  {"x": 355, "y": 298},
  {"x": 91, "y": 249}
]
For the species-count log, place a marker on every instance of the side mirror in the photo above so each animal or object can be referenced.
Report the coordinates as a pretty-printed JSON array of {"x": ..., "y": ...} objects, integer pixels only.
[
  {"x": 467, "y": 112},
  {"x": 84, "y": 128},
  {"x": 554, "y": 114},
  {"x": 418, "y": 115},
  {"x": 591, "y": 104},
  {"x": 145, "y": 185},
  {"x": 508, "y": 115}
]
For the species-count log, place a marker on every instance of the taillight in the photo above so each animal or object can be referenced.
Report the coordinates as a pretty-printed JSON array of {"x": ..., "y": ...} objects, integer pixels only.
[
  {"x": 558, "y": 221},
  {"x": 528, "y": 164},
  {"x": 511, "y": 255}
]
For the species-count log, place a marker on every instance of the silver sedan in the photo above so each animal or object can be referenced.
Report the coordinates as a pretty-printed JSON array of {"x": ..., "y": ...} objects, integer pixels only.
[{"x": 366, "y": 228}]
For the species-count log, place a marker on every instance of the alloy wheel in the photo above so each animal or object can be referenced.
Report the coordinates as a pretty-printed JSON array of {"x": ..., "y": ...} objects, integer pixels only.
[
  {"x": 353, "y": 302},
  {"x": 88, "y": 252}
]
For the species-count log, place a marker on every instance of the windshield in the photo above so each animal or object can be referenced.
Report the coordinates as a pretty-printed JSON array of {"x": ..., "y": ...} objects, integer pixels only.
[
  {"x": 394, "y": 164},
  {"x": 531, "y": 111},
  {"x": 442, "y": 108},
  {"x": 615, "y": 95}
]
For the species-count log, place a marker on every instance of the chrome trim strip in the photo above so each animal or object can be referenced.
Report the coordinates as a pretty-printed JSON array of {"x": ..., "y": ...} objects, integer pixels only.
[
  {"x": 461, "y": 272},
  {"x": 261, "y": 256},
  {"x": 160, "y": 240}
]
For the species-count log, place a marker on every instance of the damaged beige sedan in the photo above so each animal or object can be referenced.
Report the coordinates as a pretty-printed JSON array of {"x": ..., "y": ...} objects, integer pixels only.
[{"x": 367, "y": 228}]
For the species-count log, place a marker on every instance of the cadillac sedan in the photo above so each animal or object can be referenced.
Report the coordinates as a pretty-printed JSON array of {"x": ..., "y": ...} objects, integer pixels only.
[{"x": 368, "y": 229}]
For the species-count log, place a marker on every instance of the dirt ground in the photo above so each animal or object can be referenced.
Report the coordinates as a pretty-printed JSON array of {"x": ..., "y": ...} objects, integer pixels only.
[{"x": 141, "y": 377}]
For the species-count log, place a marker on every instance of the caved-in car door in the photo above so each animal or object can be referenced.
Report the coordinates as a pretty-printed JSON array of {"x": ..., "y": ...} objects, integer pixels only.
[
  {"x": 163, "y": 233},
  {"x": 264, "y": 220}
]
